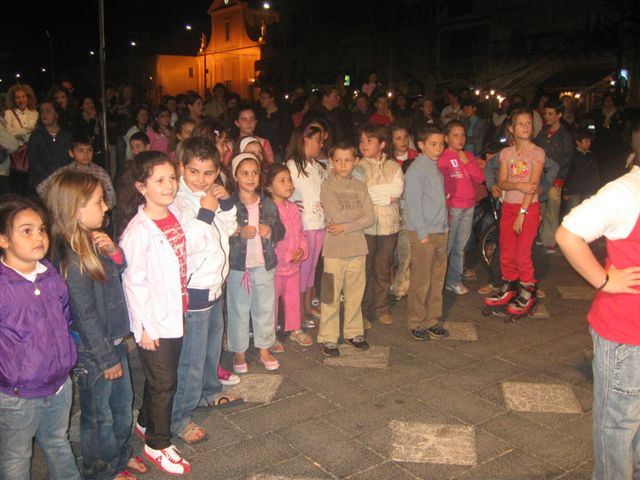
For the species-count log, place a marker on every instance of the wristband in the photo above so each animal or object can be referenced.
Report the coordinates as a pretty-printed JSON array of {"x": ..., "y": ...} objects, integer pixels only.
[{"x": 604, "y": 283}]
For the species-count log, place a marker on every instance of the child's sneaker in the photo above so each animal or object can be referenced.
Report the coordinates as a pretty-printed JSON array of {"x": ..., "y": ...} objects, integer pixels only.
[
  {"x": 330, "y": 349},
  {"x": 359, "y": 343},
  {"x": 168, "y": 460},
  {"x": 227, "y": 378},
  {"x": 140, "y": 431},
  {"x": 458, "y": 289}
]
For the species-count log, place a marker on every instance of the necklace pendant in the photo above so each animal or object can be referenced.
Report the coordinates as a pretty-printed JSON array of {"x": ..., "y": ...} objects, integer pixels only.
[{"x": 37, "y": 291}]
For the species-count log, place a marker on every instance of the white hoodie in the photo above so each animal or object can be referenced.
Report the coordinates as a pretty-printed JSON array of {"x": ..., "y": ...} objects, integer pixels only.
[{"x": 207, "y": 241}]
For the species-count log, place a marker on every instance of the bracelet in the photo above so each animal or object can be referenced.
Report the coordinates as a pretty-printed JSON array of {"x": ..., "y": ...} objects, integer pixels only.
[{"x": 604, "y": 283}]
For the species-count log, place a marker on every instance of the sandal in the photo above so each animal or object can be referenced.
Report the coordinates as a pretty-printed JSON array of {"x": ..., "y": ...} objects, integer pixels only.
[
  {"x": 277, "y": 347},
  {"x": 225, "y": 400},
  {"x": 137, "y": 465},
  {"x": 193, "y": 433},
  {"x": 125, "y": 475},
  {"x": 301, "y": 338}
]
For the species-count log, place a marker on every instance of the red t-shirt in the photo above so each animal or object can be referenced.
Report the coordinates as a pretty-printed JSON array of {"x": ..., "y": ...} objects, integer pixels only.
[{"x": 175, "y": 236}]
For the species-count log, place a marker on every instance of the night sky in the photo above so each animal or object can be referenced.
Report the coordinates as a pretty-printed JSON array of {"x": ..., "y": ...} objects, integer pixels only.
[{"x": 155, "y": 26}]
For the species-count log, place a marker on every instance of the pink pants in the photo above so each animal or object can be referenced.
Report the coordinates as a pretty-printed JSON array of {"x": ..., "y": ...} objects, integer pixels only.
[
  {"x": 288, "y": 287},
  {"x": 315, "y": 240}
]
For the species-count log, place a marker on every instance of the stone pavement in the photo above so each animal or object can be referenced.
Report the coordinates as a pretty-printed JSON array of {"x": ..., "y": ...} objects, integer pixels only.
[{"x": 494, "y": 401}]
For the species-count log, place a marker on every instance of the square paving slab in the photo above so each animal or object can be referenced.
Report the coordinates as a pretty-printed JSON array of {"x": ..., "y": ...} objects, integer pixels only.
[
  {"x": 461, "y": 331},
  {"x": 258, "y": 388},
  {"x": 376, "y": 357},
  {"x": 433, "y": 443},
  {"x": 540, "y": 397}
]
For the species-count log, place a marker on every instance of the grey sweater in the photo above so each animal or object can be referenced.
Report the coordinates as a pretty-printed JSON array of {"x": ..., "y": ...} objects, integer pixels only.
[{"x": 346, "y": 202}]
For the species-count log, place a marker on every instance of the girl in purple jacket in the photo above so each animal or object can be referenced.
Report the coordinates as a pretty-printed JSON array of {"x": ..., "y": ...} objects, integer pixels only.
[{"x": 36, "y": 350}]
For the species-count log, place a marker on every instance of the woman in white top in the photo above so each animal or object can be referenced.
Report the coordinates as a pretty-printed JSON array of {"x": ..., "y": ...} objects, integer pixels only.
[{"x": 21, "y": 115}]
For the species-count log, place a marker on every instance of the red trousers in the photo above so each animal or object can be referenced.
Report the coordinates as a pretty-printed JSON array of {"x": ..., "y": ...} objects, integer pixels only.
[{"x": 515, "y": 250}]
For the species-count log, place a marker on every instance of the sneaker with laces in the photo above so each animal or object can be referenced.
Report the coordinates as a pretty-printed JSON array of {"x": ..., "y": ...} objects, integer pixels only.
[
  {"x": 458, "y": 289},
  {"x": 225, "y": 377},
  {"x": 438, "y": 331},
  {"x": 168, "y": 460},
  {"x": 419, "y": 334},
  {"x": 330, "y": 349},
  {"x": 358, "y": 342}
]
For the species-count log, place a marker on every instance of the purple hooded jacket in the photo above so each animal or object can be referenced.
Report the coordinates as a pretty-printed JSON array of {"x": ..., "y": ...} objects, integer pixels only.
[{"x": 37, "y": 353}]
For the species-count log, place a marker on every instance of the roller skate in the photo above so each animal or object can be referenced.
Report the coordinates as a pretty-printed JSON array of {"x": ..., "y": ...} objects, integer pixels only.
[
  {"x": 497, "y": 303},
  {"x": 523, "y": 304}
]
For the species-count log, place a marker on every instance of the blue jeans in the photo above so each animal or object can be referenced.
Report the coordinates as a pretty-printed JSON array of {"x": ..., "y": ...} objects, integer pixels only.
[
  {"x": 105, "y": 418},
  {"x": 46, "y": 419},
  {"x": 459, "y": 233},
  {"x": 255, "y": 301},
  {"x": 198, "y": 365},
  {"x": 616, "y": 410}
]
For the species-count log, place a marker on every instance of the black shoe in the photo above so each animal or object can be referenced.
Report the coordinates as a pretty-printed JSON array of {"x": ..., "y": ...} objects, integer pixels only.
[
  {"x": 438, "y": 332},
  {"x": 359, "y": 343},
  {"x": 419, "y": 334},
  {"x": 330, "y": 350}
]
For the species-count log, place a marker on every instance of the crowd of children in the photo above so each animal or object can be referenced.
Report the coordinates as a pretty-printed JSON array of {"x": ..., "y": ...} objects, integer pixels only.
[{"x": 211, "y": 236}]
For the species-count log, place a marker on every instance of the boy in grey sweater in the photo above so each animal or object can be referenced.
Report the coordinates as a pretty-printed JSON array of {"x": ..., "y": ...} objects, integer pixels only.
[
  {"x": 427, "y": 227},
  {"x": 349, "y": 210}
]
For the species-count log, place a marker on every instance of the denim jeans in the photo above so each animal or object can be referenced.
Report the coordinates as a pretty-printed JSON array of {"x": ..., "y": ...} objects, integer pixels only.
[
  {"x": 198, "y": 365},
  {"x": 46, "y": 419},
  {"x": 252, "y": 298},
  {"x": 616, "y": 410},
  {"x": 105, "y": 418},
  {"x": 459, "y": 232}
]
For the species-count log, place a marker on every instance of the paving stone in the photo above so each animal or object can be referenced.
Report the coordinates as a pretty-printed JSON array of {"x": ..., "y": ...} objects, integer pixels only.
[
  {"x": 384, "y": 471},
  {"x": 299, "y": 467},
  {"x": 332, "y": 386},
  {"x": 433, "y": 443},
  {"x": 575, "y": 293},
  {"x": 329, "y": 447},
  {"x": 560, "y": 346},
  {"x": 482, "y": 374},
  {"x": 462, "y": 331},
  {"x": 275, "y": 415},
  {"x": 221, "y": 432},
  {"x": 541, "y": 311},
  {"x": 553, "y": 446},
  {"x": 540, "y": 397},
  {"x": 514, "y": 465},
  {"x": 242, "y": 460},
  {"x": 467, "y": 407},
  {"x": 257, "y": 387},
  {"x": 399, "y": 376},
  {"x": 578, "y": 373},
  {"x": 376, "y": 357}
]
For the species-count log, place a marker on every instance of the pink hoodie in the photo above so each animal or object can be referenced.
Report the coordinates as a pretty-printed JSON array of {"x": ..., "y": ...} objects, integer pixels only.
[
  {"x": 459, "y": 178},
  {"x": 293, "y": 238}
]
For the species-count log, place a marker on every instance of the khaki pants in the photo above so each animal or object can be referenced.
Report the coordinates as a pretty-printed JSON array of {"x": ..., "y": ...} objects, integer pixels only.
[
  {"x": 346, "y": 276},
  {"x": 428, "y": 269},
  {"x": 400, "y": 285},
  {"x": 551, "y": 217}
]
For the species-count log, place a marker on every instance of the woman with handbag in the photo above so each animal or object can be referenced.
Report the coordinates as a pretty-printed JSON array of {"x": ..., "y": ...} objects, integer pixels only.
[{"x": 21, "y": 118}]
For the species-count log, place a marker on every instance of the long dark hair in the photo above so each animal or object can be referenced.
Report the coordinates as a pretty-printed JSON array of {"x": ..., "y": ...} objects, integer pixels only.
[
  {"x": 295, "y": 149},
  {"x": 137, "y": 170}
]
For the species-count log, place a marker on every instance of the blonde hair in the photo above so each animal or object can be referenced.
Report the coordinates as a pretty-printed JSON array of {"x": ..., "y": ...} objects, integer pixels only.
[
  {"x": 67, "y": 193},
  {"x": 11, "y": 102}
]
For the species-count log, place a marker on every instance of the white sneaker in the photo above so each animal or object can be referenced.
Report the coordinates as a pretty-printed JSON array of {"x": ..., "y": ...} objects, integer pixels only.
[
  {"x": 458, "y": 289},
  {"x": 168, "y": 460},
  {"x": 140, "y": 431}
]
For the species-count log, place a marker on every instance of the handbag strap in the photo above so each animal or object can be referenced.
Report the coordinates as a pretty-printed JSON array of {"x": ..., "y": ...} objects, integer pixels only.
[{"x": 13, "y": 110}]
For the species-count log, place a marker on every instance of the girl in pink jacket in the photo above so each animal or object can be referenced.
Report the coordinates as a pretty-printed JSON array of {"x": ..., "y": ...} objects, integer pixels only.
[{"x": 290, "y": 252}]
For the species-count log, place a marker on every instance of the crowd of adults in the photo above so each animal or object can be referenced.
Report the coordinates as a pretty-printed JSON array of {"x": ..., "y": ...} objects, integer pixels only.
[{"x": 46, "y": 126}]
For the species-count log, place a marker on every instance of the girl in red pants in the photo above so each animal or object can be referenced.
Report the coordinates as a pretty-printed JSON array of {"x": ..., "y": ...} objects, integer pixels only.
[{"x": 521, "y": 166}]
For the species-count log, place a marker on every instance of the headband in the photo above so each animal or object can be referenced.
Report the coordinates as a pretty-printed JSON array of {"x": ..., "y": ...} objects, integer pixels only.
[
  {"x": 246, "y": 141},
  {"x": 239, "y": 158}
]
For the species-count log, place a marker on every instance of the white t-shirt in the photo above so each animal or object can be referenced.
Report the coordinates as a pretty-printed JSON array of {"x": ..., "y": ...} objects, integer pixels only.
[
  {"x": 612, "y": 212},
  {"x": 307, "y": 192}
]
